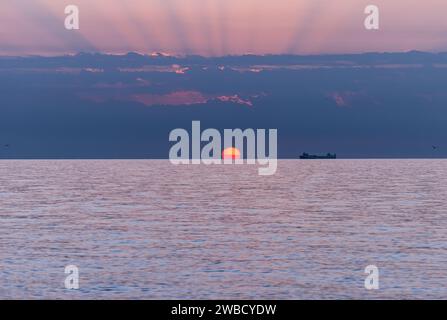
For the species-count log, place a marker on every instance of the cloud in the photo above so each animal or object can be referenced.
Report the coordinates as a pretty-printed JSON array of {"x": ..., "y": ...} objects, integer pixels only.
[
  {"x": 235, "y": 99},
  {"x": 345, "y": 98},
  {"x": 175, "y": 98},
  {"x": 171, "y": 99},
  {"x": 175, "y": 68}
]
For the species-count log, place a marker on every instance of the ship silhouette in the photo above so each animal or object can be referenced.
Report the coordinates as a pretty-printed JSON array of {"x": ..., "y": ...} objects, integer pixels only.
[{"x": 312, "y": 156}]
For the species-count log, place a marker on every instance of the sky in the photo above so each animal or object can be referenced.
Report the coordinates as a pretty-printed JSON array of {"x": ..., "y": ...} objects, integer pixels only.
[
  {"x": 221, "y": 27},
  {"x": 321, "y": 100}
]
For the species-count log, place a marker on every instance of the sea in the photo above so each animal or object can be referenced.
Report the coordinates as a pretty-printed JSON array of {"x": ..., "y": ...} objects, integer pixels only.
[{"x": 147, "y": 229}]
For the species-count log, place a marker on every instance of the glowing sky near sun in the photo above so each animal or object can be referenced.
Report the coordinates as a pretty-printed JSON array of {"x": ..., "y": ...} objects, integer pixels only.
[{"x": 219, "y": 27}]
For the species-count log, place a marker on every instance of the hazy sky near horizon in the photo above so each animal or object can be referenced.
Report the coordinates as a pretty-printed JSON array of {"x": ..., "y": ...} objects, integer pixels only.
[{"x": 220, "y": 27}]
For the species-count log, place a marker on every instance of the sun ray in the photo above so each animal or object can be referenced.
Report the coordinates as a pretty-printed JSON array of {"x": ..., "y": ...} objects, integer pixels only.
[
  {"x": 330, "y": 24},
  {"x": 43, "y": 18},
  {"x": 104, "y": 25},
  {"x": 307, "y": 14},
  {"x": 222, "y": 18},
  {"x": 141, "y": 34},
  {"x": 219, "y": 27},
  {"x": 171, "y": 8}
]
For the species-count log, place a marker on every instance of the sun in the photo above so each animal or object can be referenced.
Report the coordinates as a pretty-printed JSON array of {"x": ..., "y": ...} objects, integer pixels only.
[{"x": 231, "y": 153}]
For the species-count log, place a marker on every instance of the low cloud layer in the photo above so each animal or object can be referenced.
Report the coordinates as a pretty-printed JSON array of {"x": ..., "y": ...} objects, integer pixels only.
[{"x": 106, "y": 106}]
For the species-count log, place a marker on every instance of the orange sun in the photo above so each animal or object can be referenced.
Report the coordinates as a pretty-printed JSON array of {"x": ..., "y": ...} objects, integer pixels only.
[{"x": 231, "y": 153}]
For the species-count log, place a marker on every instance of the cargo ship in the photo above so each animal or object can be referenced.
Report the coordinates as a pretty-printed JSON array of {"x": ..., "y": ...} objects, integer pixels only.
[{"x": 312, "y": 156}]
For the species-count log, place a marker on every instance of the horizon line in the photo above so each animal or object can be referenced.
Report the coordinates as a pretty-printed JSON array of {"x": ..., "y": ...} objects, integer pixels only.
[{"x": 167, "y": 159}]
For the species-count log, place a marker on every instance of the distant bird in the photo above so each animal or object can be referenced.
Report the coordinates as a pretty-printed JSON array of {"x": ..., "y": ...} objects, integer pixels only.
[
  {"x": 6, "y": 145},
  {"x": 435, "y": 147}
]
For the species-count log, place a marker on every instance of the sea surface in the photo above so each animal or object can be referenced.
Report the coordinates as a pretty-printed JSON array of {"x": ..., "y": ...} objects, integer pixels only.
[{"x": 151, "y": 230}]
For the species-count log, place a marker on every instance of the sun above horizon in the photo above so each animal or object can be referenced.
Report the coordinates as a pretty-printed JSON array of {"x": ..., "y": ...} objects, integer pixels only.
[{"x": 231, "y": 153}]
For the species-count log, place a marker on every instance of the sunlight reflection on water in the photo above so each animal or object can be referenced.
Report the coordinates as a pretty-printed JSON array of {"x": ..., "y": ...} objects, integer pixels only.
[{"x": 148, "y": 229}]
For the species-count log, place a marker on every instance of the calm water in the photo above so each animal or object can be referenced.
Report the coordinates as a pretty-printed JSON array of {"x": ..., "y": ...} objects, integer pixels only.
[{"x": 147, "y": 229}]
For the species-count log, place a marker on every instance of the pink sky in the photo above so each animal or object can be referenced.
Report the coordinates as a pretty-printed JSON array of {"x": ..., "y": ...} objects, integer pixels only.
[{"x": 219, "y": 27}]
